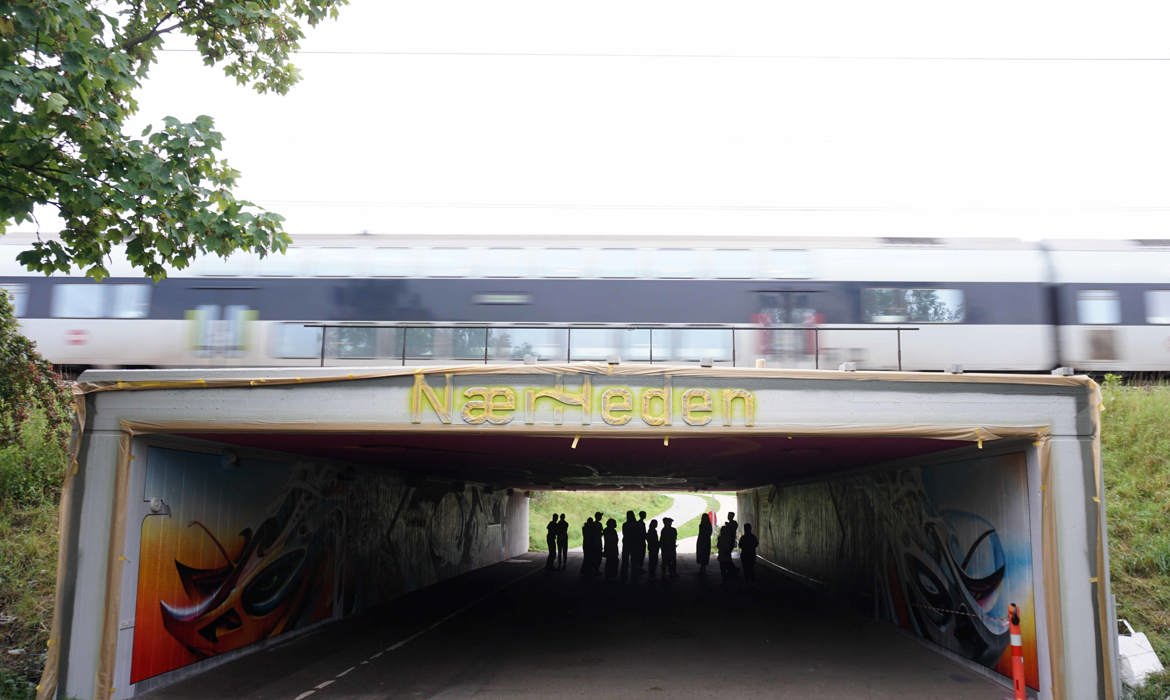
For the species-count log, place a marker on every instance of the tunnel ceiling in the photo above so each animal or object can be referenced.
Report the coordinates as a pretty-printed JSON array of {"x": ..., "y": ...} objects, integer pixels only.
[{"x": 542, "y": 462}]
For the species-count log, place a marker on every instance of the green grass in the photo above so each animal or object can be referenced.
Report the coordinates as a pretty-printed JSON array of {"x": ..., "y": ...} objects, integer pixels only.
[
  {"x": 691, "y": 527},
  {"x": 1135, "y": 449},
  {"x": 580, "y": 505},
  {"x": 30, "y": 483}
]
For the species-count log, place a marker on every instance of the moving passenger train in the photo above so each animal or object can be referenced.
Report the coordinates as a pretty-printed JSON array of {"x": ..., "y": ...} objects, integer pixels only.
[{"x": 887, "y": 303}]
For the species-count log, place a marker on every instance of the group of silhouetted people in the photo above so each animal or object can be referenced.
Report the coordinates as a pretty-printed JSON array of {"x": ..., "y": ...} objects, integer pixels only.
[{"x": 641, "y": 541}]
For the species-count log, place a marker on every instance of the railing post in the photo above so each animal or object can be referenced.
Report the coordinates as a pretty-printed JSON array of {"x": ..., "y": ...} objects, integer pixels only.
[
  {"x": 816, "y": 348},
  {"x": 405, "y": 330},
  {"x": 324, "y": 330},
  {"x": 485, "y": 344},
  {"x": 651, "y": 346},
  {"x": 568, "y": 344},
  {"x": 899, "y": 349},
  {"x": 733, "y": 348}
]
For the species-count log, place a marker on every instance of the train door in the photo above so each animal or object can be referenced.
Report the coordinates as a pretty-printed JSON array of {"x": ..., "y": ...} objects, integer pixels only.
[
  {"x": 791, "y": 317},
  {"x": 220, "y": 328}
]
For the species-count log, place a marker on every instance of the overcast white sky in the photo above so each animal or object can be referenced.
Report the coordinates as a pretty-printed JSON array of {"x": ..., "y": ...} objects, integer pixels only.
[{"x": 1035, "y": 119}]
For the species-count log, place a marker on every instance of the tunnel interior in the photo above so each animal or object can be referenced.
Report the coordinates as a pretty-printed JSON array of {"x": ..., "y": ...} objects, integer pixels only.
[
  {"x": 384, "y": 513},
  {"x": 567, "y": 461}
]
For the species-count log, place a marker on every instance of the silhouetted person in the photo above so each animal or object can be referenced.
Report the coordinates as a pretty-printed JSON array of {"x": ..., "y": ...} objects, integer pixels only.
[
  {"x": 652, "y": 546},
  {"x": 562, "y": 542},
  {"x": 703, "y": 546},
  {"x": 726, "y": 545},
  {"x": 640, "y": 552},
  {"x": 551, "y": 539},
  {"x": 669, "y": 542},
  {"x": 747, "y": 552},
  {"x": 597, "y": 544},
  {"x": 610, "y": 538},
  {"x": 734, "y": 526},
  {"x": 587, "y": 547},
  {"x": 630, "y": 533}
]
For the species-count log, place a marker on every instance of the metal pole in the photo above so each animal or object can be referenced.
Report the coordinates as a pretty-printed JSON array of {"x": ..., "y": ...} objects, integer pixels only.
[
  {"x": 569, "y": 344},
  {"x": 816, "y": 348},
  {"x": 733, "y": 348},
  {"x": 485, "y": 345},
  {"x": 404, "y": 330},
  {"x": 899, "y": 349},
  {"x": 651, "y": 346},
  {"x": 324, "y": 330}
]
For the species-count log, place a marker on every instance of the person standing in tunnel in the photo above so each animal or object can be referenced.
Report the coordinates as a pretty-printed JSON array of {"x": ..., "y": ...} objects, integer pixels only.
[
  {"x": 597, "y": 543},
  {"x": 562, "y": 542},
  {"x": 747, "y": 552},
  {"x": 587, "y": 547},
  {"x": 652, "y": 547},
  {"x": 669, "y": 541},
  {"x": 703, "y": 546},
  {"x": 640, "y": 551},
  {"x": 726, "y": 545},
  {"x": 551, "y": 540},
  {"x": 629, "y": 544},
  {"x": 610, "y": 538}
]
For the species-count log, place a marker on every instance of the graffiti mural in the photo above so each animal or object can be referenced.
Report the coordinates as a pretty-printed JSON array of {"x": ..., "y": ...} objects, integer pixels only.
[
  {"x": 945, "y": 549},
  {"x": 245, "y": 550}
]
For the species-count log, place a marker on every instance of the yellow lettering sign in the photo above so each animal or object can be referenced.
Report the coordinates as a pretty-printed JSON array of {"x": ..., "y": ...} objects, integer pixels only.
[
  {"x": 746, "y": 398},
  {"x": 562, "y": 398},
  {"x": 695, "y": 401},
  {"x": 491, "y": 404},
  {"x": 614, "y": 401},
  {"x": 423, "y": 391}
]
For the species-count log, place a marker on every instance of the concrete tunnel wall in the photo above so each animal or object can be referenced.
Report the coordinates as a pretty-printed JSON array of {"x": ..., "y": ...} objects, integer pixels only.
[
  {"x": 938, "y": 546},
  {"x": 229, "y": 551}
]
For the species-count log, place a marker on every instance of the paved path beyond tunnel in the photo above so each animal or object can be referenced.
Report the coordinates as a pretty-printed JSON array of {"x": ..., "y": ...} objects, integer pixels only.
[{"x": 516, "y": 630}]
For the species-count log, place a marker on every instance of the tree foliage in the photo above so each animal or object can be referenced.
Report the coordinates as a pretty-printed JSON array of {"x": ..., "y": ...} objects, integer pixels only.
[
  {"x": 28, "y": 383},
  {"x": 68, "y": 73}
]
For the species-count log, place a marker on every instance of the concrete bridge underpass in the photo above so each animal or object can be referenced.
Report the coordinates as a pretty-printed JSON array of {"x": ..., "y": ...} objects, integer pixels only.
[{"x": 256, "y": 529}]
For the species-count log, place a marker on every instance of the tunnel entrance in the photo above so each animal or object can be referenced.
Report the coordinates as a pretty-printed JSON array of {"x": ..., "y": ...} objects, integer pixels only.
[{"x": 247, "y": 506}]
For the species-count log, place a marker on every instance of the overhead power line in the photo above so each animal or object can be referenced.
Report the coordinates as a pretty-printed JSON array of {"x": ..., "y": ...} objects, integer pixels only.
[{"x": 720, "y": 56}]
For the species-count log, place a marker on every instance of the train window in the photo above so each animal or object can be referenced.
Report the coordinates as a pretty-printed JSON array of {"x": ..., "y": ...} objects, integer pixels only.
[
  {"x": 129, "y": 300},
  {"x": 78, "y": 301},
  {"x": 296, "y": 342},
  {"x": 675, "y": 263},
  {"x": 1158, "y": 306},
  {"x": 787, "y": 264},
  {"x": 1098, "y": 307},
  {"x": 620, "y": 262},
  {"x": 237, "y": 264},
  {"x": 503, "y": 262},
  {"x": 732, "y": 263},
  {"x": 561, "y": 262},
  {"x": 18, "y": 295},
  {"x": 335, "y": 262},
  {"x": 286, "y": 264},
  {"x": 892, "y": 305},
  {"x": 448, "y": 262},
  {"x": 392, "y": 262}
]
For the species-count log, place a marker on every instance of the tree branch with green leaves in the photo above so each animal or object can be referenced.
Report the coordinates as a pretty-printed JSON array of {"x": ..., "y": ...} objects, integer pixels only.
[{"x": 69, "y": 70}]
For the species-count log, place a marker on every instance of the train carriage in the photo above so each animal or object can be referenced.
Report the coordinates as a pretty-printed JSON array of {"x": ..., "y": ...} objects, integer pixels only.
[{"x": 909, "y": 303}]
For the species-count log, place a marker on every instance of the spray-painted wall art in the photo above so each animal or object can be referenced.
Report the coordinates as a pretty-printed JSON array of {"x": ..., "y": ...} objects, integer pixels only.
[
  {"x": 944, "y": 549},
  {"x": 246, "y": 550}
]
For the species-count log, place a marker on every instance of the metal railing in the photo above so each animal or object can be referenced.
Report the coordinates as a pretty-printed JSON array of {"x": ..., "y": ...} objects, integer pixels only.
[{"x": 784, "y": 346}]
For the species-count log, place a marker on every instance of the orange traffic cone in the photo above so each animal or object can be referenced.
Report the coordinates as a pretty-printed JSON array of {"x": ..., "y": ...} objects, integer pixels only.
[{"x": 1017, "y": 652}]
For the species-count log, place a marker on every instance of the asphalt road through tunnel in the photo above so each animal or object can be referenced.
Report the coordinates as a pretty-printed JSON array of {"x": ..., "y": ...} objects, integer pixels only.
[{"x": 517, "y": 630}]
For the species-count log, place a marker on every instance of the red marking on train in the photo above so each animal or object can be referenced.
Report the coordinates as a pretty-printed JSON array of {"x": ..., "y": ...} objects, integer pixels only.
[{"x": 76, "y": 337}]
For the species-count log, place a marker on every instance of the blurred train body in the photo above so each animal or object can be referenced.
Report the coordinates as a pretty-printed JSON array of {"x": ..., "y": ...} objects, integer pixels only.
[{"x": 914, "y": 304}]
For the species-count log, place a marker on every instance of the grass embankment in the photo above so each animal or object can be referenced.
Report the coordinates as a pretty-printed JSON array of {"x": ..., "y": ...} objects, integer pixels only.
[
  {"x": 31, "y": 472},
  {"x": 1135, "y": 454},
  {"x": 580, "y": 505}
]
